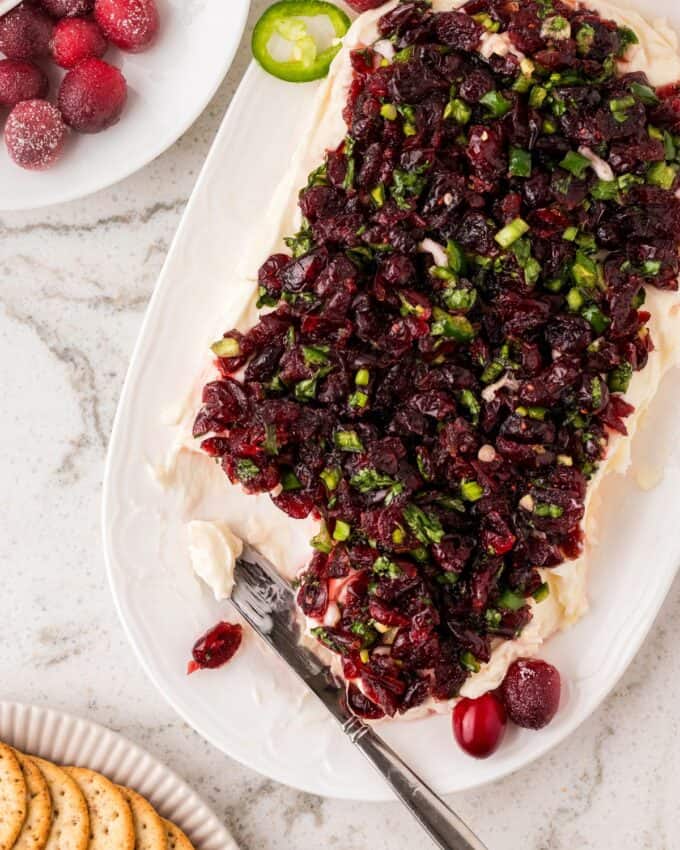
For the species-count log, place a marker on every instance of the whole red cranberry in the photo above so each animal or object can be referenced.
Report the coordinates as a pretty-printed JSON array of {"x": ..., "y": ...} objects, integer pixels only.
[
  {"x": 92, "y": 96},
  {"x": 35, "y": 134},
  {"x": 67, "y": 8},
  {"x": 479, "y": 725},
  {"x": 215, "y": 647},
  {"x": 25, "y": 32},
  {"x": 129, "y": 24},
  {"x": 531, "y": 692},
  {"x": 75, "y": 39},
  {"x": 21, "y": 80}
]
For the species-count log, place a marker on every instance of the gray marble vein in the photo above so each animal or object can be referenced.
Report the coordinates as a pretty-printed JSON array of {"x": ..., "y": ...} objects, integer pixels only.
[{"x": 75, "y": 281}]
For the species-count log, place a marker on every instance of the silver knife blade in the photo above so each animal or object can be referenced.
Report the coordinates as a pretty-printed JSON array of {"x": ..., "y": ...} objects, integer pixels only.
[{"x": 267, "y": 603}]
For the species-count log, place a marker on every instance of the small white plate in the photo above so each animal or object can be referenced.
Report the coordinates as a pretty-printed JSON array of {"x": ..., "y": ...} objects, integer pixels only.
[
  {"x": 6, "y": 5},
  {"x": 254, "y": 709},
  {"x": 66, "y": 739},
  {"x": 169, "y": 86}
]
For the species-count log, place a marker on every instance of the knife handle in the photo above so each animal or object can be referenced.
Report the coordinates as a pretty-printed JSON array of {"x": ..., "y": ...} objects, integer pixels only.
[{"x": 445, "y": 828}]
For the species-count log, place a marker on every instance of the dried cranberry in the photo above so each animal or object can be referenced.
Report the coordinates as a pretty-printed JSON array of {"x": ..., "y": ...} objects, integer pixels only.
[
  {"x": 479, "y": 725},
  {"x": 456, "y": 29},
  {"x": 361, "y": 705}
]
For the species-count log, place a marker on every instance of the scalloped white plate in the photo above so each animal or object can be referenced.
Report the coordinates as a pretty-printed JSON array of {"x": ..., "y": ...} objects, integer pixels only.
[
  {"x": 169, "y": 86},
  {"x": 254, "y": 709},
  {"x": 66, "y": 739}
]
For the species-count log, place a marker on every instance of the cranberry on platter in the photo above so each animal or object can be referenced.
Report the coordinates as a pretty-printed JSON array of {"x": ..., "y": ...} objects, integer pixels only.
[
  {"x": 479, "y": 725},
  {"x": 531, "y": 692}
]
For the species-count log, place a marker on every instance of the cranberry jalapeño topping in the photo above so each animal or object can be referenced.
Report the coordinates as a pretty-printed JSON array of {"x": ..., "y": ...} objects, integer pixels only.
[{"x": 442, "y": 355}]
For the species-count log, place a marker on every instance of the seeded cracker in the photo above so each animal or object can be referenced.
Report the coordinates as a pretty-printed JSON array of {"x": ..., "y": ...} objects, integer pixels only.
[
  {"x": 12, "y": 797},
  {"x": 111, "y": 825},
  {"x": 36, "y": 828},
  {"x": 150, "y": 832},
  {"x": 70, "y": 821},
  {"x": 177, "y": 840}
]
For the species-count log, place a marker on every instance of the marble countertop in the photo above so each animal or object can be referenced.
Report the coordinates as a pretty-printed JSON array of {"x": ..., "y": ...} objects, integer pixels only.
[{"x": 75, "y": 282}]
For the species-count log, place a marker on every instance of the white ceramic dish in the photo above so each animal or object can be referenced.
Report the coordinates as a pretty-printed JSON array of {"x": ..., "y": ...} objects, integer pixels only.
[
  {"x": 253, "y": 709},
  {"x": 66, "y": 739},
  {"x": 169, "y": 86},
  {"x": 6, "y": 5}
]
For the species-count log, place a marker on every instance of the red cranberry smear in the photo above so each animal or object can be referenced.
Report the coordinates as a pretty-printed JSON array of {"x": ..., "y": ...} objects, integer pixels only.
[
  {"x": 531, "y": 692},
  {"x": 217, "y": 646},
  {"x": 479, "y": 725}
]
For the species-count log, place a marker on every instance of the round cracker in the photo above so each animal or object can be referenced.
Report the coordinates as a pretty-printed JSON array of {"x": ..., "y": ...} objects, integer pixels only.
[
  {"x": 177, "y": 840},
  {"x": 150, "y": 832},
  {"x": 70, "y": 821},
  {"x": 111, "y": 825},
  {"x": 13, "y": 798},
  {"x": 36, "y": 828}
]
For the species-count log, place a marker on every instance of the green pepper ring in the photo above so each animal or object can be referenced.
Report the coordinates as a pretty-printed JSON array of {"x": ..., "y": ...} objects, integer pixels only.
[{"x": 294, "y": 71}]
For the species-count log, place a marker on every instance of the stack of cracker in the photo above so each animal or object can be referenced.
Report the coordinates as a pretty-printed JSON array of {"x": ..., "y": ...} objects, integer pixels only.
[{"x": 47, "y": 807}]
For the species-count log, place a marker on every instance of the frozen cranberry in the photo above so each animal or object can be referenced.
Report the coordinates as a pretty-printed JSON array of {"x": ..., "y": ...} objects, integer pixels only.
[
  {"x": 531, "y": 692},
  {"x": 25, "y": 32},
  {"x": 130, "y": 24},
  {"x": 67, "y": 8},
  {"x": 75, "y": 39},
  {"x": 92, "y": 96},
  {"x": 21, "y": 80},
  {"x": 35, "y": 134},
  {"x": 215, "y": 647},
  {"x": 479, "y": 725}
]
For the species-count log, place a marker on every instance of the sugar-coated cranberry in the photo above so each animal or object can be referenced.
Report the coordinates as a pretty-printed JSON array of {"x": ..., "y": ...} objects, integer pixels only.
[
  {"x": 92, "y": 96},
  {"x": 215, "y": 647},
  {"x": 21, "y": 80},
  {"x": 479, "y": 725},
  {"x": 75, "y": 39},
  {"x": 35, "y": 134},
  {"x": 25, "y": 32},
  {"x": 129, "y": 24},
  {"x": 531, "y": 692},
  {"x": 67, "y": 8}
]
